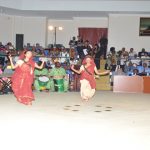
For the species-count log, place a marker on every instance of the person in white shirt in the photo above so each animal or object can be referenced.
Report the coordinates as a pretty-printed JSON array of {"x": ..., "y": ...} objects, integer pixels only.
[
  {"x": 132, "y": 53},
  {"x": 64, "y": 56}
]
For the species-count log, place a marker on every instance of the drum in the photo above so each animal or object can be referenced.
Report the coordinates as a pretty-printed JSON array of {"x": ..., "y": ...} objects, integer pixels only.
[
  {"x": 43, "y": 82},
  {"x": 59, "y": 85}
]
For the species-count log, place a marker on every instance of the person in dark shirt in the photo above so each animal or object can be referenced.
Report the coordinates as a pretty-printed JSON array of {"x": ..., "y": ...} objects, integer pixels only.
[
  {"x": 142, "y": 53},
  {"x": 97, "y": 54}
]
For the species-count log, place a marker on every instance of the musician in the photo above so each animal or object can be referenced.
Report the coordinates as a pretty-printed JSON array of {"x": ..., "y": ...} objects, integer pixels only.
[
  {"x": 39, "y": 82},
  {"x": 58, "y": 73}
]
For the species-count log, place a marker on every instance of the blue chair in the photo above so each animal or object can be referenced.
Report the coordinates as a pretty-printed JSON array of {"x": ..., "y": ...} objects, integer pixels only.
[
  {"x": 46, "y": 52},
  {"x": 140, "y": 68},
  {"x": 36, "y": 59}
]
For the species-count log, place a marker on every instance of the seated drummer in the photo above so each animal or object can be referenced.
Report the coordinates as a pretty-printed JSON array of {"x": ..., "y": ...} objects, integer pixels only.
[
  {"x": 41, "y": 73},
  {"x": 58, "y": 73}
]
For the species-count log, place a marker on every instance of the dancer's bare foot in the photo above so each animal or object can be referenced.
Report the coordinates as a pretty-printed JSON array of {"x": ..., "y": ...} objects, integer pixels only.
[
  {"x": 27, "y": 103},
  {"x": 19, "y": 100},
  {"x": 85, "y": 99},
  {"x": 30, "y": 103}
]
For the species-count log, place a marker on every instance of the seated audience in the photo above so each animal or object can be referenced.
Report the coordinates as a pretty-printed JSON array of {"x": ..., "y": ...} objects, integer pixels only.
[
  {"x": 142, "y": 53},
  {"x": 64, "y": 56},
  {"x": 132, "y": 53},
  {"x": 29, "y": 47},
  {"x": 2, "y": 47},
  {"x": 135, "y": 72},
  {"x": 136, "y": 60},
  {"x": 38, "y": 49},
  {"x": 144, "y": 70},
  {"x": 10, "y": 47},
  {"x": 128, "y": 68}
]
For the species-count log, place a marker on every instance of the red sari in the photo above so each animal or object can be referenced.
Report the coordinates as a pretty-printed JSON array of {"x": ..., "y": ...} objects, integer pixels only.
[
  {"x": 87, "y": 80},
  {"x": 22, "y": 80},
  {"x": 88, "y": 74}
]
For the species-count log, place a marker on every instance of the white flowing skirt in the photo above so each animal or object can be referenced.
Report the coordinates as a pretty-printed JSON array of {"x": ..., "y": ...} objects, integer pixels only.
[{"x": 85, "y": 90}]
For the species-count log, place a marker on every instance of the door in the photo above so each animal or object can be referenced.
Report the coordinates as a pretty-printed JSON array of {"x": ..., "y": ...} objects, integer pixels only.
[{"x": 19, "y": 41}]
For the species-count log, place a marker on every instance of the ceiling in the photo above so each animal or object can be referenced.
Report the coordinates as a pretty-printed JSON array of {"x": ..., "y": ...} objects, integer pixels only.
[{"x": 68, "y": 9}]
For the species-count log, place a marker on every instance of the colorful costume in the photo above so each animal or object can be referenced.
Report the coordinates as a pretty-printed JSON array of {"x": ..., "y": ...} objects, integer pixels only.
[
  {"x": 87, "y": 80},
  {"x": 41, "y": 84},
  {"x": 22, "y": 80},
  {"x": 58, "y": 73}
]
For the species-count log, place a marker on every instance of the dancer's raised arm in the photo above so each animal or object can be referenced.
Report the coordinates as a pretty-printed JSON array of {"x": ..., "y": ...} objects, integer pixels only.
[
  {"x": 101, "y": 73},
  {"x": 39, "y": 66},
  {"x": 12, "y": 64}
]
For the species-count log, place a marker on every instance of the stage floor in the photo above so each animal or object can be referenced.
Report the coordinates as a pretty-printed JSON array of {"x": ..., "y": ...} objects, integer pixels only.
[{"x": 61, "y": 121}]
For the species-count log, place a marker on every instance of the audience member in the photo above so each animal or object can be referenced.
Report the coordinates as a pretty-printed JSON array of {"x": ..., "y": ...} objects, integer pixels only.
[
  {"x": 132, "y": 53},
  {"x": 142, "y": 53}
]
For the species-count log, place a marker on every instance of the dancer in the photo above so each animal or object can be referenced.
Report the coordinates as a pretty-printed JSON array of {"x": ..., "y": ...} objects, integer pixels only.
[
  {"x": 23, "y": 76},
  {"x": 87, "y": 80}
]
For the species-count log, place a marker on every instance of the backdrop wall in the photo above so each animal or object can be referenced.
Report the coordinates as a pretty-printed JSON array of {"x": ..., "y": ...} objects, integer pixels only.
[{"x": 124, "y": 32}]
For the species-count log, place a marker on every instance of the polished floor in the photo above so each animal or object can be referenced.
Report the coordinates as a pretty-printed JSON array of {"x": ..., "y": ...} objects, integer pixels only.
[{"x": 61, "y": 121}]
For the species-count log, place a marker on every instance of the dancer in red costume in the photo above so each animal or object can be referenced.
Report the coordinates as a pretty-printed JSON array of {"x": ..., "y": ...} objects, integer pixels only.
[
  {"x": 23, "y": 76},
  {"x": 87, "y": 80}
]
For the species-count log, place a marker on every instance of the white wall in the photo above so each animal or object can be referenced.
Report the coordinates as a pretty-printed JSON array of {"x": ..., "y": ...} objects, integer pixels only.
[
  {"x": 86, "y": 5},
  {"x": 124, "y": 32},
  {"x": 33, "y": 28},
  {"x": 16, "y": 4},
  {"x": 6, "y": 29},
  {"x": 70, "y": 28},
  {"x": 62, "y": 37}
]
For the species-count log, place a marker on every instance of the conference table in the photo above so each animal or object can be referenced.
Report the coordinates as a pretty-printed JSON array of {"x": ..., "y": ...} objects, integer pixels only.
[
  {"x": 131, "y": 84},
  {"x": 146, "y": 83}
]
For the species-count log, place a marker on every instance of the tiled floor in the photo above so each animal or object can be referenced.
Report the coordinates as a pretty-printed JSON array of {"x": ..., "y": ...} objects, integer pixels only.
[{"x": 61, "y": 121}]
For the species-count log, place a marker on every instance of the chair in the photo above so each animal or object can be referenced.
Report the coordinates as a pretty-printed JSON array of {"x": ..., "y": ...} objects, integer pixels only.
[{"x": 46, "y": 52}]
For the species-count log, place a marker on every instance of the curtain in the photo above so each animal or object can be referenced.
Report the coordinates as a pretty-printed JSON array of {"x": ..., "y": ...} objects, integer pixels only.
[{"x": 93, "y": 35}]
